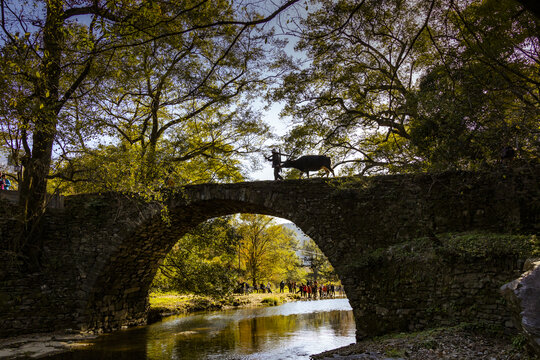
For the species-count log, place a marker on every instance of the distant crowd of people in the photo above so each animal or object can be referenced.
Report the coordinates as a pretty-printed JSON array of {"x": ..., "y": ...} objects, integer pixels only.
[
  {"x": 313, "y": 290},
  {"x": 309, "y": 290},
  {"x": 261, "y": 288}
]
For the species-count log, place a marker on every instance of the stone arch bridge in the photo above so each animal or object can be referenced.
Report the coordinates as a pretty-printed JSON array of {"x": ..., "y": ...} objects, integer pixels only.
[{"x": 102, "y": 251}]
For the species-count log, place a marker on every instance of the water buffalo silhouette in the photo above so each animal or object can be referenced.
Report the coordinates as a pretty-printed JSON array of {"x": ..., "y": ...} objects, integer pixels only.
[{"x": 309, "y": 163}]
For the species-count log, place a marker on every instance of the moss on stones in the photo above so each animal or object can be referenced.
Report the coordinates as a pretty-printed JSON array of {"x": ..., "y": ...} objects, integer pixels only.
[{"x": 453, "y": 246}]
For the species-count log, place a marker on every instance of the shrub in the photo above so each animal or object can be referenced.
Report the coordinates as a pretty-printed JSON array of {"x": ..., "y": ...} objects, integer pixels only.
[{"x": 270, "y": 301}]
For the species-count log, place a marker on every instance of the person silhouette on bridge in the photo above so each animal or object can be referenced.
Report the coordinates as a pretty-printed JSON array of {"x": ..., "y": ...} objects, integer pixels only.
[{"x": 275, "y": 158}]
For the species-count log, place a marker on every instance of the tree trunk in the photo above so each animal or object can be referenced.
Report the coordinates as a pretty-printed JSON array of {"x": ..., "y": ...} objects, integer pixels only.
[
  {"x": 33, "y": 193},
  {"x": 33, "y": 190},
  {"x": 150, "y": 169}
]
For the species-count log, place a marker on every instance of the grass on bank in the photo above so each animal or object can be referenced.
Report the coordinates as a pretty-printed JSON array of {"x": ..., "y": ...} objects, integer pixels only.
[
  {"x": 168, "y": 299},
  {"x": 170, "y": 302},
  {"x": 271, "y": 301}
]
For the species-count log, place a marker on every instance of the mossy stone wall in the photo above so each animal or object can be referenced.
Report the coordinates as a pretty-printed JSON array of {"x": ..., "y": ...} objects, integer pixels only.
[{"x": 442, "y": 281}]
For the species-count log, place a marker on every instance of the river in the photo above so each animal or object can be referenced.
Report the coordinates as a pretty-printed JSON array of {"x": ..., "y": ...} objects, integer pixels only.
[{"x": 293, "y": 330}]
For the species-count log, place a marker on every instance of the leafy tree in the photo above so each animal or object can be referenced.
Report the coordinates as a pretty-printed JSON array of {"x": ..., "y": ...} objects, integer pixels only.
[
  {"x": 177, "y": 98},
  {"x": 202, "y": 262},
  {"x": 320, "y": 268},
  {"x": 359, "y": 79},
  {"x": 484, "y": 96},
  {"x": 266, "y": 249},
  {"x": 401, "y": 86}
]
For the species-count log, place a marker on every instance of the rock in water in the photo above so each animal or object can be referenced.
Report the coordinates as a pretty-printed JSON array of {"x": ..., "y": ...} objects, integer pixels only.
[{"x": 523, "y": 299}]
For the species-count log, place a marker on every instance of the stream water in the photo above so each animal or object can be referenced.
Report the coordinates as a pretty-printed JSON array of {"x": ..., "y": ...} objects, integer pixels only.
[{"x": 293, "y": 330}]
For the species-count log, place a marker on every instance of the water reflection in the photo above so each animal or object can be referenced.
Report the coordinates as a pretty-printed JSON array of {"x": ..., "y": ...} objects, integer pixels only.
[{"x": 291, "y": 331}]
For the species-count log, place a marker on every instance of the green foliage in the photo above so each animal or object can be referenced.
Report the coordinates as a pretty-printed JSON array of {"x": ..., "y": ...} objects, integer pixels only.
[
  {"x": 173, "y": 302},
  {"x": 162, "y": 299},
  {"x": 482, "y": 245},
  {"x": 127, "y": 91},
  {"x": 202, "y": 262},
  {"x": 464, "y": 246},
  {"x": 479, "y": 99},
  {"x": 341, "y": 100},
  {"x": 398, "y": 86},
  {"x": 535, "y": 244},
  {"x": 219, "y": 253},
  {"x": 176, "y": 106},
  {"x": 120, "y": 168},
  {"x": 394, "y": 353},
  {"x": 519, "y": 342},
  {"x": 270, "y": 301},
  {"x": 266, "y": 250},
  {"x": 461, "y": 124}
]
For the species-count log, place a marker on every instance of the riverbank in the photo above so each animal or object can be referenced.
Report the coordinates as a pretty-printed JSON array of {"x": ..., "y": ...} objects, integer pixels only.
[
  {"x": 163, "y": 304},
  {"x": 463, "y": 342}
]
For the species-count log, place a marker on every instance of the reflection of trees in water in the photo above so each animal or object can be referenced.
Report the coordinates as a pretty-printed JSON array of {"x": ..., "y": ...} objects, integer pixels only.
[
  {"x": 342, "y": 322},
  {"x": 255, "y": 332},
  {"x": 192, "y": 339},
  {"x": 203, "y": 336}
]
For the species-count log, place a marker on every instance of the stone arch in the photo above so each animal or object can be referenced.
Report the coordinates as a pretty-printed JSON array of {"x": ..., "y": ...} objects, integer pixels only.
[{"x": 118, "y": 293}]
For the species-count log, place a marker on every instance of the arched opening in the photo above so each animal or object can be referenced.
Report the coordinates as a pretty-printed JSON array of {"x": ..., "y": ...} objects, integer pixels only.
[
  {"x": 250, "y": 331},
  {"x": 275, "y": 332},
  {"x": 242, "y": 254}
]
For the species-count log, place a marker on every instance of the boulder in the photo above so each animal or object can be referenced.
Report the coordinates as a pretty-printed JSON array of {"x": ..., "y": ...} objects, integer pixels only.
[{"x": 523, "y": 299}]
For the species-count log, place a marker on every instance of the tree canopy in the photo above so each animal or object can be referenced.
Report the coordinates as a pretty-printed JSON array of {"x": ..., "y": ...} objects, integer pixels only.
[
  {"x": 404, "y": 86},
  {"x": 266, "y": 250}
]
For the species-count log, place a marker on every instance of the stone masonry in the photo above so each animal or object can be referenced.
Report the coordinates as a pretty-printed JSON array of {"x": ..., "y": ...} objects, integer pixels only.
[{"x": 102, "y": 251}]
